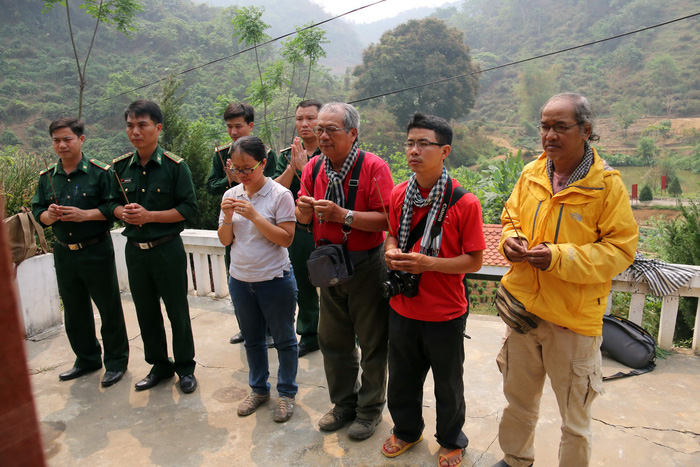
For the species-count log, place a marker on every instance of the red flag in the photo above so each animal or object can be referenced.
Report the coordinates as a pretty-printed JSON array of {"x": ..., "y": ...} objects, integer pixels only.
[
  {"x": 634, "y": 191},
  {"x": 663, "y": 182}
]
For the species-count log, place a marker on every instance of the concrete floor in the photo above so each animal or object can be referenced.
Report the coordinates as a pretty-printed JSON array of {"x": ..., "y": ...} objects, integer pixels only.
[{"x": 653, "y": 419}]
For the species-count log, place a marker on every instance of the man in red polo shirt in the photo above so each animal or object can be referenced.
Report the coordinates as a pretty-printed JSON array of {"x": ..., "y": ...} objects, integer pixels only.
[{"x": 428, "y": 304}]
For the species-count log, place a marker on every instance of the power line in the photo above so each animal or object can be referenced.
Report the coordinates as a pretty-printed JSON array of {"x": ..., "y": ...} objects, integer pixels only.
[
  {"x": 228, "y": 57},
  {"x": 518, "y": 62}
]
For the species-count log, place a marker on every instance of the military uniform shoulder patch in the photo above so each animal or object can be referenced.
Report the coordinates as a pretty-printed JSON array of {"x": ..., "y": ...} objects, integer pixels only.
[
  {"x": 223, "y": 147},
  {"x": 49, "y": 168},
  {"x": 173, "y": 157},
  {"x": 122, "y": 157},
  {"x": 100, "y": 164}
]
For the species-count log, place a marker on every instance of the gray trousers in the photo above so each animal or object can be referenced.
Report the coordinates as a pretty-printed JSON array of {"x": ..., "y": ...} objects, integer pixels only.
[{"x": 354, "y": 313}]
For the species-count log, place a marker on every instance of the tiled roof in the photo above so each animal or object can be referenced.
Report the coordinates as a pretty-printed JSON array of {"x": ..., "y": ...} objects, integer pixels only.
[{"x": 492, "y": 234}]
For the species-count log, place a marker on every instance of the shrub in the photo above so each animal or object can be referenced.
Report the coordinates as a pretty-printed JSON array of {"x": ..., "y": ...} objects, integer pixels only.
[
  {"x": 645, "y": 194},
  {"x": 19, "y": 173}
]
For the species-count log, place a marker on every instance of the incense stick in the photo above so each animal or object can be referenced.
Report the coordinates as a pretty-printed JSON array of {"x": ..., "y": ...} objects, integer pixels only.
[
  {"x": 383, "y": 208},
  {"x": 55, "y": 198},
  {"x": 512, "y": 223},
  {"x": 223, "y": 166}
]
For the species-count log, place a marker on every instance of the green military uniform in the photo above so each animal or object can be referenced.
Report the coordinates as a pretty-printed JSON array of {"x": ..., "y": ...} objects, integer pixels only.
[
  {"x": 84, "y": 261},
  {"x": 217, "y": 183},
  {"x": 299, "y": 251},
  {"x": 155, "y": 255}
]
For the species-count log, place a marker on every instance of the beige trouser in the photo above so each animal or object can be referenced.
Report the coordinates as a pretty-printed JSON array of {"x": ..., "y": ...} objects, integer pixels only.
[{"x": 572, "y": 362}]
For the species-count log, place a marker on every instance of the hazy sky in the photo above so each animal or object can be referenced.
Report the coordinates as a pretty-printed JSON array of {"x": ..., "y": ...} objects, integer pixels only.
[{"x": 386, "y": 9}]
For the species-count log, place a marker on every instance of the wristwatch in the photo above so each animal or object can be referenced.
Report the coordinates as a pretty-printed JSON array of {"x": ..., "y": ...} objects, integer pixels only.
[{"x": 349, "y": 217}]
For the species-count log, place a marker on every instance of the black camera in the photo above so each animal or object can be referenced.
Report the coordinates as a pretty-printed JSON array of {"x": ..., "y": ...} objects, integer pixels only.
[{"x": 401, "y": 282}]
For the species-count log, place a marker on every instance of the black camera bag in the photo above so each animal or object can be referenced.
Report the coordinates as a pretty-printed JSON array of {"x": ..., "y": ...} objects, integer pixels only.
[{"x": 628, "y": 343}]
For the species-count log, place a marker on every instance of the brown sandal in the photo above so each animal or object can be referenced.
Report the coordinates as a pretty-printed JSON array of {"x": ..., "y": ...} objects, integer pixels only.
[
  {"x": 451, "y": 456},
  {"x": 394, "y": 443}
]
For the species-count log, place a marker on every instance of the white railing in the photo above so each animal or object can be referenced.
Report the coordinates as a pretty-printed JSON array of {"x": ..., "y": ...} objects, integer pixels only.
[
  {"x": 207, "y": 272},
  {"x": 625, "y": 282},
  {"x": 207, "y": 276}
]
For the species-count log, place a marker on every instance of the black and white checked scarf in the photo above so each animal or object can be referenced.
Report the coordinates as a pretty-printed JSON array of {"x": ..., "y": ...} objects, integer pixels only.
[
  {"x": 663, "y": 278},
  {"x": 412, "y": 198},
  {"x": 580, "y": 172},
  {"x": 334, "y": 191}
]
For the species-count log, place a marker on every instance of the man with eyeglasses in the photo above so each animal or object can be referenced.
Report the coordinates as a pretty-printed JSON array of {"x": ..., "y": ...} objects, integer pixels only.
[
  {"x": 435, "y": 237},
  {"x": 575, "y": 232},
  {"x": 354, "y": 311},
  {"x": 240, "y": 120},
  {"x": 290, "y": 165}
]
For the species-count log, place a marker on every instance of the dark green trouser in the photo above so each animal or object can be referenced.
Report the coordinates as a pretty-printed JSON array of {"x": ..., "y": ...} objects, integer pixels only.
[
  {"x": 307, "y": 299},
  {"x": 157, "y": 273},
  {"x": 91, "y": 273},
  {"x": 356, "y": 308}
]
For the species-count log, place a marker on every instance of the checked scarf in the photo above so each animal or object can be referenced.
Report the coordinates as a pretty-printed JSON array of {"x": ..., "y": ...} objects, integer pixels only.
[
  {"x": 334, "y": 192},
  {"x": 580, "y": 172},
  {"x": 428, "y": 246}
]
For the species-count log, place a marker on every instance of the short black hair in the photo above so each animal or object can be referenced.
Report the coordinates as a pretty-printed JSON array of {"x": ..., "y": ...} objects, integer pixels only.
[
  {"x": 442, "y": 129},
  {"x": 250, "y": 145},
  {"x": 75, "y": 125},
  {"x": 310, "y": 103},
  {"x": 236, "y": 109},
  {"x": 145, "y": 107}
]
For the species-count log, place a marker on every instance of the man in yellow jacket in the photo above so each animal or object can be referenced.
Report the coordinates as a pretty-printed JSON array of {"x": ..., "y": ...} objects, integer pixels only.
[{"x": 572, "y": 232}]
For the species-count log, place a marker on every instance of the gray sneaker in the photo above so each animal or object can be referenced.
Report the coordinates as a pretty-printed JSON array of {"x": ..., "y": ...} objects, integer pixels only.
[
  {"x": 335, "y": 420},
  {"x": 363, "y": 428},
  {"x": 284, "y": 410},
  {"x": 251, "y": 403}
]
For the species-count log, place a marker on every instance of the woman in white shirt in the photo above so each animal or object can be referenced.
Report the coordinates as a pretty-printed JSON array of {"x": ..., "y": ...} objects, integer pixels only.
[{"x": 257, "y": 220}]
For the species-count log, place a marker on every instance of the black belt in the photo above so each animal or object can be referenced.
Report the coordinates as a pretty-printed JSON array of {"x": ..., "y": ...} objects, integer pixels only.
[
  {"x": 85, "y": 244},
  {"x": 153, "y": 243}
]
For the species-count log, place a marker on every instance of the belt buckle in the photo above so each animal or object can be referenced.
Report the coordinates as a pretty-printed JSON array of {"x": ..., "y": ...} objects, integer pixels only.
[
  {"x": 144, "y": 246},
  {"x": 74, "y": 246}
]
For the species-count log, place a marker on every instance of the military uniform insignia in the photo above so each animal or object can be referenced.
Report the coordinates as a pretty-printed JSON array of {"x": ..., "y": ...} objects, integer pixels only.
[
  {"x": 122, "y": 157},
  {"x": 100, "y": 164},
  {"x": 173, "y": 157},
  {"x": 223, "y": 146},
  {"x": 48, "y": 169}
]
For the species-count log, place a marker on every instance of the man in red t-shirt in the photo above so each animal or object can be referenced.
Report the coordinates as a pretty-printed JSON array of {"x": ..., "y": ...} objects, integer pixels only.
[
  {"x": 354, "y": 311},
  {"x": 428, "y": 311}
]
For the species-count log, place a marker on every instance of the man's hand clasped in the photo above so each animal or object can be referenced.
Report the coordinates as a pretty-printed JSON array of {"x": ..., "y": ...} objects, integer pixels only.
[
  {"x": 517, "y": 251},
  {"x": 413, "y": 263},
  {"x": 66, "y": 213},
  {"x": 325, "y": 210}
]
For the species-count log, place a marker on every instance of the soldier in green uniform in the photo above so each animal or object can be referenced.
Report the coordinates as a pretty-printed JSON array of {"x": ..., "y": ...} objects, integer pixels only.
[
  {"x": 73, "y": 196},
  {"x": 155, "y": 196},
  {"x": 293, "y": 160},
  {"x": 240, "y": 120}
]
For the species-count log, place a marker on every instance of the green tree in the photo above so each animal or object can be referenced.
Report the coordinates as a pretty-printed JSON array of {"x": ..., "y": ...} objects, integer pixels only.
[
  {"x": 250, "y": 29},
  {"x": 674, "y": 188},
  {"x": 122, "y": 13},
  {"x": 647, "y": 151},
  {"x": 535, "y": 85},
  {"x": 645, "y": 194},
  {"x": 412, "y": 54},
  {"x": 625, "y": 115}
]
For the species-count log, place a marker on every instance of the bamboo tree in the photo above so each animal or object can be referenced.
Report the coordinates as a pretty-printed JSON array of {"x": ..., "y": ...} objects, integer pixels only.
[{"x": 122, "y": 13}]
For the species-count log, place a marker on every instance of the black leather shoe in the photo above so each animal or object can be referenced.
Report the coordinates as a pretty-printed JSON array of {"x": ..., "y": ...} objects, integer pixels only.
[
  {"x": 149, "y": 381},
  {"x": 75, "y": 372},
  {"x": 236, "y": 339},
  {"x": 303, "y": 348},
  {"x": 188, "y": 384},
  {"x": 111, "y": 377}
]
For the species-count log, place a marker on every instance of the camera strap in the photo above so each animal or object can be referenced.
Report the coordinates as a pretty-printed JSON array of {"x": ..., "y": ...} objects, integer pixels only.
[
  {"x": 419, "y": 229},
  {"x": 353, "y": 183}
]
